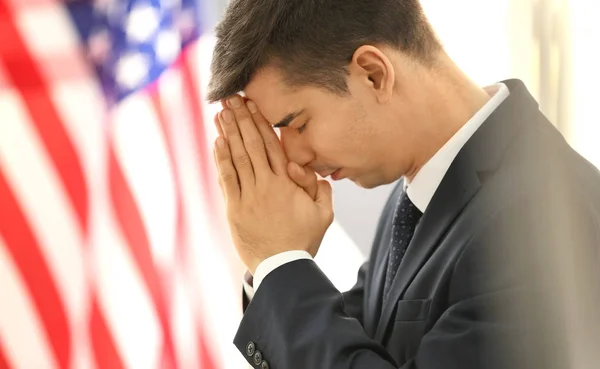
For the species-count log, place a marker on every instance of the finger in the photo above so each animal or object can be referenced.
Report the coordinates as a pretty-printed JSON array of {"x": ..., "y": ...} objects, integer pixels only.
[
  {"x": 228, "y": 176},
  {"x": 218, "y": 125},
  {"x": 324, "y": 199},
  {"x": 239, "y": 155},
  {"x": 253, "y": 141},
  {"x": 275, "y": 153},
  {"x": 218, "y": 176},
  {"x": 303, "y": 178}
]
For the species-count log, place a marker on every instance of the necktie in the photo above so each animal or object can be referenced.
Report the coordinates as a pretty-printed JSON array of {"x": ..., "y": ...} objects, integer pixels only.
[{"x": 406, "y": 217}]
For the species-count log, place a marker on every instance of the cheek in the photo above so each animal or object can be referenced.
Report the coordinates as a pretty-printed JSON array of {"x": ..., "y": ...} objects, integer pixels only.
[{"x": 338, "y": 141}]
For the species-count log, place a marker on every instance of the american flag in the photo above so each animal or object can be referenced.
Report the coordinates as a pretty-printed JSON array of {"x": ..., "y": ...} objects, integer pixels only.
[{"x": 112, "y": 249}]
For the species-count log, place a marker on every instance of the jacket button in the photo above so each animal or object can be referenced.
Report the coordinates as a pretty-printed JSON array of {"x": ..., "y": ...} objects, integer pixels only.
[
  {"x": 257, "y": 358},
  {"x": 264, "y": 365},
  {"x": 250, "y": 348}
]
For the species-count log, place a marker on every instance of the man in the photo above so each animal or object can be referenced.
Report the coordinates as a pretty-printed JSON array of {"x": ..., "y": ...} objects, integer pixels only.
[{"x": 480, "y": 241}]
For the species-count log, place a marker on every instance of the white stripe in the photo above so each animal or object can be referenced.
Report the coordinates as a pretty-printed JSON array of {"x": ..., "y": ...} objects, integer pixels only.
[
  {"x": 47, "y": 30},
  {"x": 202, "y": 58},
  {"x": 80, "y": 105},
  {"x": 184, "y": 326},
  {"x": 140, "y": 148},
  {"x": 82, "y": 357},
  {"x": 21, "y": 331},
  {"x": 47, "y": 209},
  {"x": 122, "y": 295}
]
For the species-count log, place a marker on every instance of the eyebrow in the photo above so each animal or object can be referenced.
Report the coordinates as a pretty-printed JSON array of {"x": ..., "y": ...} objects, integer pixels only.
[{"x": 288, "y": 119}]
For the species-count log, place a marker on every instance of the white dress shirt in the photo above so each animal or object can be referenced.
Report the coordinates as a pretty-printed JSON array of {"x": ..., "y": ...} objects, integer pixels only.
[{"x": 420, "y": 190}]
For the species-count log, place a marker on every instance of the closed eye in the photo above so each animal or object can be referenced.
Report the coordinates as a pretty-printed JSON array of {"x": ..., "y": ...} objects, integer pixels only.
[{"x": 301, "y": 128}]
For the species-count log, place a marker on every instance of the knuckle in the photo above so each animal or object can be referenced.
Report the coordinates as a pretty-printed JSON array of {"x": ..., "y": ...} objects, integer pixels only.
[
  {"x": 255, "y": 145},
  {"x": 228, "y": 177},
  {"x": 223, "y": 157},
  {"x": 271, "y": 145},
  {"x": 241, "y": 159},
  {"x": 244, "y": 116}
]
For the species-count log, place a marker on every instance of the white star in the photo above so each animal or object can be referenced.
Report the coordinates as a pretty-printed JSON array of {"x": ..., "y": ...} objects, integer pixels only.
[
  {"x": 132, "y": 70},
  {"x": 167, "y": 47},
  {"x": 142, "y": 23}
]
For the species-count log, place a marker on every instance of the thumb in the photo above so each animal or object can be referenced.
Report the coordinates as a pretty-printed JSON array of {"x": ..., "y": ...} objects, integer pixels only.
[
  {"x": 324, "y": 198},
  {"x": 303, "y": 178}
]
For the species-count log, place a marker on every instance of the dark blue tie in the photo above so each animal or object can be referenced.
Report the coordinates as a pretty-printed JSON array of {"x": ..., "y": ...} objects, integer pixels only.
[{"x": 404, "y": 223}]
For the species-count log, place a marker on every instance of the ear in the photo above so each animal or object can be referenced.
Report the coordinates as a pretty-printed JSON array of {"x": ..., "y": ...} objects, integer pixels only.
[{"x": 377, "y": 70}]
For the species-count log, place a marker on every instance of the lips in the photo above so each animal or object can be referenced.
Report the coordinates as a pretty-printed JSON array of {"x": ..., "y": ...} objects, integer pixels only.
[{"x": 336, "y": 176}]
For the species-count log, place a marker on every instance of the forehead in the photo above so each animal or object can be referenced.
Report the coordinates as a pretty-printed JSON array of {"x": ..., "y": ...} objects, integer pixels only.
[{"x": 273, "y": 97}]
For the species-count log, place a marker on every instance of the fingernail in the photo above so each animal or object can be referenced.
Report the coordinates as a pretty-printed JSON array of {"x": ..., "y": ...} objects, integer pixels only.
[
  {"x": 235, "y": 101},
  {"x": 227, "y": 116},
  {"x": 251, "y": 106},
  {"x": 221, "y": 142}
]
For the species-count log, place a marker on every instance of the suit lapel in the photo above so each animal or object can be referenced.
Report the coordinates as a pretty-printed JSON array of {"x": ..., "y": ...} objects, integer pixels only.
[
  {"x": 447, "y": 202},
  {"x": 481, "y": 154},
  {"x": 375, "y": 298},
  {"x": 380, "y": 264}
]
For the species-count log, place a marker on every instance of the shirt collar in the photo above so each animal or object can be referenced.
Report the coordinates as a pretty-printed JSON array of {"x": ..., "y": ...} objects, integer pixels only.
[{"x": 423, "y": 186}]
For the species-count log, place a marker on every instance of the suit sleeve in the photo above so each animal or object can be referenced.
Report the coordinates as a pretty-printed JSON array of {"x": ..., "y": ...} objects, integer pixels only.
[
  {"x": 354, "y": 298},
  {"x": 298, "y": 319},
  {"x": 499, "y": 306}
]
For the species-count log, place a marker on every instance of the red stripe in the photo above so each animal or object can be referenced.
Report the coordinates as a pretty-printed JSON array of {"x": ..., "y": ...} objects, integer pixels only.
[
  {"x": 207, "y": 359},
  {"x": 104, "y": 348},
  {"x": 3, "y": 359},
  {"x": 24, "y": 72},
  {"x": 130, "y": 222},
  {"x": 3, "y": 80},
  {"x": 26, "y": 253}
]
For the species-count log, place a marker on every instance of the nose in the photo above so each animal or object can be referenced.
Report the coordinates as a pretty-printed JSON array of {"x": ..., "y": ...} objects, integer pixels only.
[{"x": 295, "y": 147}]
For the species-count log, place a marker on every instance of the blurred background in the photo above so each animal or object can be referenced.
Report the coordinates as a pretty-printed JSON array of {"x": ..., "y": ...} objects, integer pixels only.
[{"x": 114, "y": 252}]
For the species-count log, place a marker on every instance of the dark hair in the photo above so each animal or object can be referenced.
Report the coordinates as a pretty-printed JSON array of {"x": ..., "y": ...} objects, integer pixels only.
[{"x": 312, "y": 41}]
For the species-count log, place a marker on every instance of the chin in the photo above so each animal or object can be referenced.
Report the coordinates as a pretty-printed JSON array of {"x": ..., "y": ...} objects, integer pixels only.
[
  {"x": 365, "y": 183},
  {"x": 369, "y": 182}
]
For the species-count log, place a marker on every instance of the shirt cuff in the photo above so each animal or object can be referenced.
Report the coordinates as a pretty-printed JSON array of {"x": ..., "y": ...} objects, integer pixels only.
[
  {"x": 270, "y": 264},
  {"x": 248, "y": 285}
]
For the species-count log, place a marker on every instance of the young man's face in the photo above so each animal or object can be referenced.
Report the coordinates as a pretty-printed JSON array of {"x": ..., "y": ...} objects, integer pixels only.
[{"x": 349, "y": 136}]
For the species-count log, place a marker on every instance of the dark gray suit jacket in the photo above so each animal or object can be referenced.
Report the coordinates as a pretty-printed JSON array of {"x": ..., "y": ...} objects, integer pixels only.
[{"x": 479, "y": 284}]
